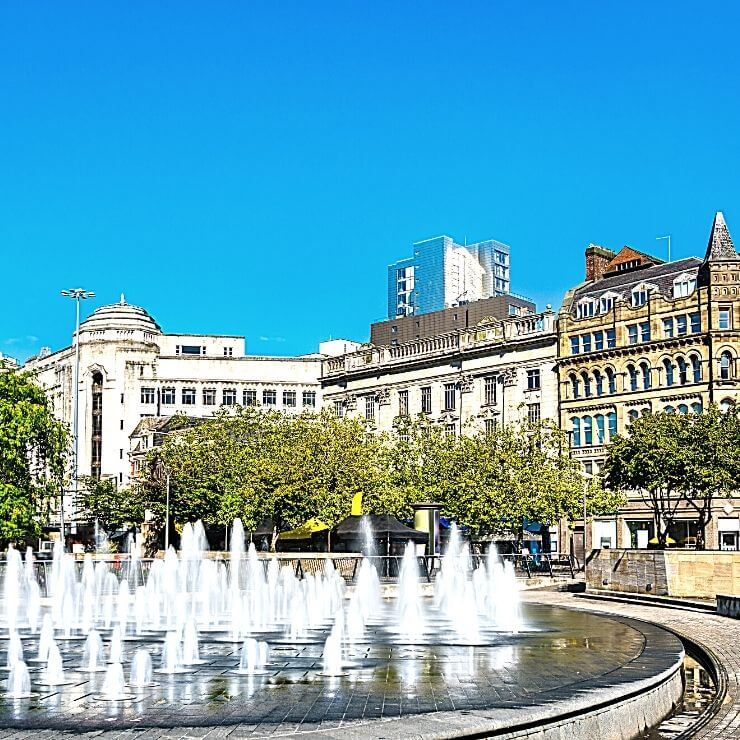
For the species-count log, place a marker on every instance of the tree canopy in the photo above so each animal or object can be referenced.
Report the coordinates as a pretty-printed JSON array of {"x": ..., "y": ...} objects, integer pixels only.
[
  {"x": 33, "y": 455},
  {"x": 259, "y": 464},
  {"x": 678, "y": 460}
]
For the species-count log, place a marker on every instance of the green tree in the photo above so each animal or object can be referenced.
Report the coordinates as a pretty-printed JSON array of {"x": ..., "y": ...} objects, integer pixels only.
[
  {"x": 677, "y": 460},
  {"x": 113, "y": 507},
  {"x": 33, "y": 454}
]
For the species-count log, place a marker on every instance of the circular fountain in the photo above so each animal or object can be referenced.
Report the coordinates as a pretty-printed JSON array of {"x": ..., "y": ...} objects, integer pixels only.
[{"x": 248, "y": 640}]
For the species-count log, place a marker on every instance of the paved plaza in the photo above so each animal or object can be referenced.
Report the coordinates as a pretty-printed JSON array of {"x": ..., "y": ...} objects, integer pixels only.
[{"x": 562, "y": 660}]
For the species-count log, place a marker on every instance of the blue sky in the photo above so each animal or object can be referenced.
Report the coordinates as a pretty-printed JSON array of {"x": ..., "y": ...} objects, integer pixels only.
[{"x": 251, "y": 168}]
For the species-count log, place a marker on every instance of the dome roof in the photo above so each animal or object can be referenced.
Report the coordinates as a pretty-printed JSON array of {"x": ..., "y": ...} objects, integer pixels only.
[{"x": 120, "y": 315}]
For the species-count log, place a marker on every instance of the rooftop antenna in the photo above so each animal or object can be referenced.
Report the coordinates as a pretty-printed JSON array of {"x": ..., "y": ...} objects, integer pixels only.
[{"x": 668, "y": 237}]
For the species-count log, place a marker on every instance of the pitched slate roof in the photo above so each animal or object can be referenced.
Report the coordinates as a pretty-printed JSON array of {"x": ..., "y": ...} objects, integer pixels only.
[{"x": 661, "y": 275}]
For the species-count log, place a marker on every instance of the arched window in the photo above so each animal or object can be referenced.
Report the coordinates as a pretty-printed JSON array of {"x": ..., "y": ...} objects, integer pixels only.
[
  {"x": 682, "y": 374},
  {"x": 682, "y": 408},
  {"x": 670, "y": 410},
  {"x": 645, "y": 370},
  {"x": 576, "y": 432},
  {"x": 586, "y": 384},
  {"x": 599, "y": 418},
  {"x": 599, "y": 382},
  {"x": 726, "y": 404},
  {"x": 725, "y": 365},
  {"x": 633, "y": 377},
  {"x": 588, "y": 438},
  {"x": 574, "y": 385},
  {"x": 611, "y": 424},
  {"x": 696, "y": 408},
  {"x": 696, "y": 368},
  {"x": 611, "y": 380},
  {"x": 668, "y": 371},
  {"x": 633, "y": 414}
]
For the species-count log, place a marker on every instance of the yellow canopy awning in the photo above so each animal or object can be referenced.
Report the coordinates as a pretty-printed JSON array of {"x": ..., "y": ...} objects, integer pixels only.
[
  {"x": 305, "y": 531},
  {"x": 668, "y": 540}
]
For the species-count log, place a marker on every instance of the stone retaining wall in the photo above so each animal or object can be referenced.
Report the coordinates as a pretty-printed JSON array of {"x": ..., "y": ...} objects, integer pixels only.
[{"x": 685, "y": 573}]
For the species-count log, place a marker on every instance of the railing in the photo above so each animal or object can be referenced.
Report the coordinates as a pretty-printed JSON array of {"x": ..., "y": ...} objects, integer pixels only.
[
  {"x": 388, "y": 567},
  {"x": 496, "y": 331}
]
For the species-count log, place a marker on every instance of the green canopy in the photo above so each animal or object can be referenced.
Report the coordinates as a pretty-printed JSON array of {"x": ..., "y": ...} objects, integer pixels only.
[{"x": 305, "y": 531}]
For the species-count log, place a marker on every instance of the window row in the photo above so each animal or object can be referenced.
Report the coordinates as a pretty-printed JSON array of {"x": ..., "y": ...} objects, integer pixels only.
[
  {"x": 589, "y": 430},
  {"x": 593, "y": 342},
  {"x": 639, "y": 376},
  {"x": 198, "y": 349},
  {"x": 678, "y": 326},
  {"x": 188, "y": 397},
  {"x": 684, "y": 285}
]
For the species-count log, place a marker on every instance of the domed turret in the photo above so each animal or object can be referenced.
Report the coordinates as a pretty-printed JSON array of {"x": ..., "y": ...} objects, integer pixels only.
[{"x": 120, "y": 315}]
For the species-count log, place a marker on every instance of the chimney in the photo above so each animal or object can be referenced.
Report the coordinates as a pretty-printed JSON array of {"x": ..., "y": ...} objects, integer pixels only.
[{"x": 597, "y": 260}]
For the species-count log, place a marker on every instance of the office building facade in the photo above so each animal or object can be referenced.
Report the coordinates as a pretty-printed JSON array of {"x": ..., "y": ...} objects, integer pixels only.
[{"x": 442, "y": 274}]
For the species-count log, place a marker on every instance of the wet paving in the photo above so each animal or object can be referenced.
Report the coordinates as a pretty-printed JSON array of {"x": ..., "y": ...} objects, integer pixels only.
[{"x": 558, "y": 654}]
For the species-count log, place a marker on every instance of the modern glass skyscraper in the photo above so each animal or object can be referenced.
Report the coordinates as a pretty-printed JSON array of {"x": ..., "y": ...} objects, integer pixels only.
[{"x": 443, "y": 273}]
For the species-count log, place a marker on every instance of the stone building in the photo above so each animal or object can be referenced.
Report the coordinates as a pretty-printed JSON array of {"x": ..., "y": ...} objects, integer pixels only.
[
  {"x": 131, "y": 370},
  {"x": 644, "y": 335}
]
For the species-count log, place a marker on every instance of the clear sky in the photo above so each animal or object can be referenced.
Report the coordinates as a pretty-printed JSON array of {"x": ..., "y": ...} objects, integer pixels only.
[{"x": 251, "y": 168}]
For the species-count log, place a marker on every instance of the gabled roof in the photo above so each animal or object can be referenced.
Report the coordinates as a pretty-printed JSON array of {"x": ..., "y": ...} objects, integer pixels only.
[
  {"x": 661, "y": 275},
  {"x": 628, "y": 254},
  {"x": 720, "y": 245}
]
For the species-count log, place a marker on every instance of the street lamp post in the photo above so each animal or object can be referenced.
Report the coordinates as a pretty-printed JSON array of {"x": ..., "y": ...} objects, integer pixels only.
[{"x": 77, "y": 295}]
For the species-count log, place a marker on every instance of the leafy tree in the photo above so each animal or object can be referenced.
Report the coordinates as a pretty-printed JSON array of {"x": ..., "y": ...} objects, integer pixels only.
[
  {"x": 677, "y": 460},
  {"x": 102, "y": 499},
  {"x": 33, "y": 453}
]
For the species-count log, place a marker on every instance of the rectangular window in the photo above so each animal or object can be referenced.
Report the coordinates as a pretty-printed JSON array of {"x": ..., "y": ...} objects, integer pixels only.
[
  {"x": 725, "y": 319},
  {"x": 533, "y": 413},
  {"x": 190, "y": 349},
  {"x": 403, "y": 403},
  {"x": 490, "y": 425},
  {"x": 289, "y": 399},
  {"x": 681, "y": 325},
  {"x": 168, "y": 396},
  {"x": 249, "y": 397},
  {"x": 489, "y": 391},
  {"x": 668, "y": 328},
  {"x": 611, "y": 338},
  {"x": 450, "y": 396},
  {"x": 533, "y": 380},
  {"x": 645, "y": 331},
  {"x": 228, "y": 351},
  {"x": 450, "y": 430},
  {"x": 269, "y": 398},
  {"x": 426, "y": 400},
  {"x": 695, "y": 319},
  {"x": 598, "y": 340},
  {"x": 632, "y": 333},
  {"x": 209, "y": 396},
  {"x": 228, "y": 397},
  {"x": 188, "y": 396},
  {"x": 309, "y": 398},
  {"x": 339, "y": 409},
  {"x": 147, "y": 395},
  {"x": 586, "y": 341},
  {"x": 574, "y": 345},
  {"x": 370, "y": 407}
]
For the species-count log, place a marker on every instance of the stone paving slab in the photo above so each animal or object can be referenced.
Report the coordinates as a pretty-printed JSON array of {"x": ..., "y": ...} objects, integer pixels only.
[{"x": 719, "y": 635}]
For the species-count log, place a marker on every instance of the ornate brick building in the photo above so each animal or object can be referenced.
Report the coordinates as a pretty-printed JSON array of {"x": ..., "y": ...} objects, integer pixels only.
[{"x": 645, "y": 335}]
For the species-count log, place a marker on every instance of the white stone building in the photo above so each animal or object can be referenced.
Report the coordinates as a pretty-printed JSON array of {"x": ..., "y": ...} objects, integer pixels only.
[
  {"x": 494, "y": 373},
  {"x": 130, "y": 369}
]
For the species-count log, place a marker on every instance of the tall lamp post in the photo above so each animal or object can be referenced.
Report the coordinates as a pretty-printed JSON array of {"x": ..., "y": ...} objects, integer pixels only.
[{"x": 77, "y": 295}]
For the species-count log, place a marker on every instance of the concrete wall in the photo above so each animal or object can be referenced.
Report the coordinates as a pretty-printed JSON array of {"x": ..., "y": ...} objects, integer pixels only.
[{"x": 668, "y": 572}]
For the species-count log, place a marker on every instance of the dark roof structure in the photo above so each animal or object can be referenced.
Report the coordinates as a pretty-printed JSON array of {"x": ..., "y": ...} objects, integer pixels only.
[
  {"x": 660, "y": 275},
  {"x": 383, "y": 527}
]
